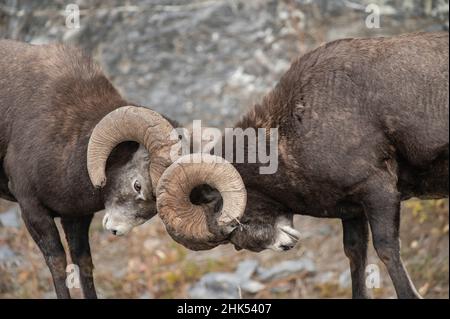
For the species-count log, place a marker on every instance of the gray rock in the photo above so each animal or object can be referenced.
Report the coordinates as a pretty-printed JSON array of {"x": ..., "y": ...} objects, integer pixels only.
[
  {"x": 49, "y": 295},
  {"x": 11, "y": 218},
  {"x": 216, "y": 286},
  {"x": 252, "y": 286},
  {"x": 281, "y": 289},
  {"x": 6, "y": 254},
  {"x": 227, "y": 285},
  {"x": 345, "y": 279},
  {"x": 11, "y": 259},
  {"x": 246, "y": 269},
  {"x": 286, "y": 268},
  {"x": 326, "y": 277},
  {"x": 147, "y": 295},
  {"x": 325, "y": 230}
]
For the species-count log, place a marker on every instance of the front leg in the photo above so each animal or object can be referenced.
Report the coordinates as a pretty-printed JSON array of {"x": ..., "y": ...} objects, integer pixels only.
[
  {"x": 42, "y": 228},
  {"x": 356, "y": 236},
  {"x": 77, "y": 235}
]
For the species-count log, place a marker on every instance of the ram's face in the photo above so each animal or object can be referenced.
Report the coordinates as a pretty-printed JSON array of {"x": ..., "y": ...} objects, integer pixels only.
[
  {"x": 129, "y": 199},
  {"x": 124, "y": 174},
  {"x": 264, "y": 225}
]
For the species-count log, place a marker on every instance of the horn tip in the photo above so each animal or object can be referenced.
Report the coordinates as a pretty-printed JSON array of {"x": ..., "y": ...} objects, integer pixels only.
[{"x": 99, "y": 183}]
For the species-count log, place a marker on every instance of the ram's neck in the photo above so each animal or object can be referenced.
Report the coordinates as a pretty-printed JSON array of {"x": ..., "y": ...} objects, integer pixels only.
[{"x": 85, "y": 103}]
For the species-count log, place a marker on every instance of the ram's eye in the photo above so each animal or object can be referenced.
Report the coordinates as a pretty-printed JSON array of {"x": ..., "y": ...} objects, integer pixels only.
[{"x": 137, "y": 186}]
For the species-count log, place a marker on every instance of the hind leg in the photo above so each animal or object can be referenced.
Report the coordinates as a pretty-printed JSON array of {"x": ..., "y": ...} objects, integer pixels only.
[{"x": 382, "y": 206}]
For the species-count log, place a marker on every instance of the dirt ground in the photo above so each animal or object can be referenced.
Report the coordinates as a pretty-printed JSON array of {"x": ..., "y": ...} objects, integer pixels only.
[{"x": 149, "y": 264}]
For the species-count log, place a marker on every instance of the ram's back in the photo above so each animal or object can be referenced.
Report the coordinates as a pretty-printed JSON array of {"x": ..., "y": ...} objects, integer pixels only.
[
  {"x": 51, "y": 98},
  {"x": 411, "y": 96},
  {"x": 393, "y": 87},
  {"x": 53, "y": 86}
]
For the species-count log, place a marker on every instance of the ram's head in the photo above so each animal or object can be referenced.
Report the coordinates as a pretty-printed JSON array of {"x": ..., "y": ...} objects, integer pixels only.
[
  {"x": 202, "y": 200},
  {"x": 128, "y": 180}
]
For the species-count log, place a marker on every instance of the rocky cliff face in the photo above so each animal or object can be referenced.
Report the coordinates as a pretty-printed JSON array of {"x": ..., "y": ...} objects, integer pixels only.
[{"x": 207, "y": 59}]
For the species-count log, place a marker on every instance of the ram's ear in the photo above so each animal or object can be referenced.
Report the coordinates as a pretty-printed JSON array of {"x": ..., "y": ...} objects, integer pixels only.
[{"x": 141, "y": 158}]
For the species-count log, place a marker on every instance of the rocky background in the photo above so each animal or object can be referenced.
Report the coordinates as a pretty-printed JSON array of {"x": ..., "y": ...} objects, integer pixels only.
[{"x": 210, "y": 60}]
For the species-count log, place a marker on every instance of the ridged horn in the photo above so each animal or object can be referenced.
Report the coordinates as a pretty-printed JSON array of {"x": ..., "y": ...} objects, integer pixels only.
[
  {"x": 130, "y": 123},
  {"x": 190, "y": 224}
]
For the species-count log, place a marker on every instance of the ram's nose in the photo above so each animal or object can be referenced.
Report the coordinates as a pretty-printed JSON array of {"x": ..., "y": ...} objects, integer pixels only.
[
  {"x": 116, "y": 232},
  {"x": 287, "y": 247},
  {"x": 108, "y": 225},
  {"x": 286, "y": 238}
]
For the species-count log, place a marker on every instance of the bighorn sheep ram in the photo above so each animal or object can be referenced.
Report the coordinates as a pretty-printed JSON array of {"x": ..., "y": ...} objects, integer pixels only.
[
  {"x": 60, "y": 122},
  {"x": 363, "y": 124}
]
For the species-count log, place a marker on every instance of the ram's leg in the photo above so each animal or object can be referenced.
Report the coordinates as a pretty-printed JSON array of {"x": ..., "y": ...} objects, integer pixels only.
[
  {"x": 382, "y": 205},
  {"x": 356, "y": 235},
  {"x": 42, "y": 228},
  {"x": 77, "y": 235},
  {"x": 5, "y": 192}
]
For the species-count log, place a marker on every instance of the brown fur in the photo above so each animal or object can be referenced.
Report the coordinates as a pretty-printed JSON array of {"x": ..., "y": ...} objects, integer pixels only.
[
  {"x": 363, "y": 124},
  {"x": 51, "y": 98}
]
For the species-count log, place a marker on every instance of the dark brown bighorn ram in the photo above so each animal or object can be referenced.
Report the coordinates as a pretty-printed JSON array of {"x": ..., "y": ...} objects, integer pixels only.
[
  {"x": 363, "y": 124},
  {"x": 63, "y": 125}
]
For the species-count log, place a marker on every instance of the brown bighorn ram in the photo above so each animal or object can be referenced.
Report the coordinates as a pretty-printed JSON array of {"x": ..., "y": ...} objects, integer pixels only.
[
  {"x": 363, "y": 125},
  {"x": 57, "y": 109}
]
